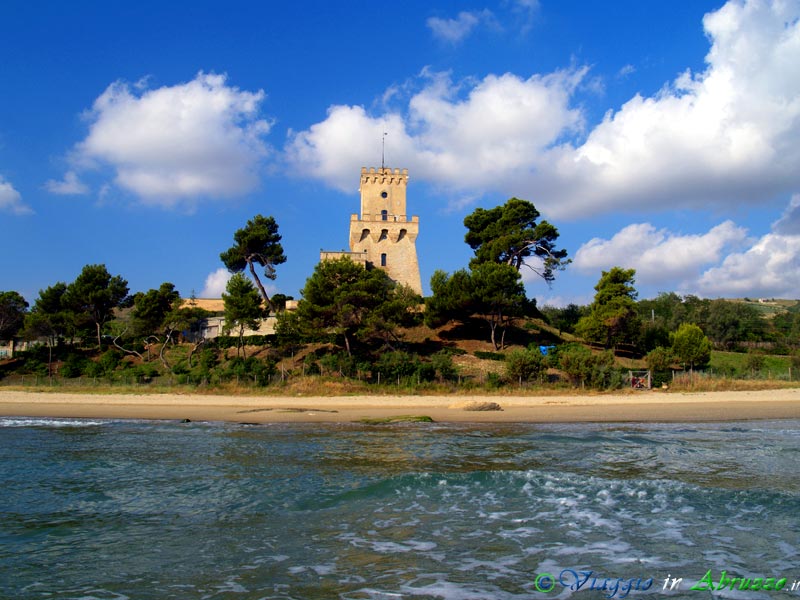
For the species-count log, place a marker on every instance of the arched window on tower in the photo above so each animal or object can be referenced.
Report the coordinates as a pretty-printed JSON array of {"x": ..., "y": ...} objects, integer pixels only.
[
  {"x": 384, "y": 215},
  {"x": 383, "y": 260}
]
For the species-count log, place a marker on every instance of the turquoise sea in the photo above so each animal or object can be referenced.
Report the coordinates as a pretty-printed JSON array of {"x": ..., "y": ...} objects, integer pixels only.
[{"x": 131, "y": 509}]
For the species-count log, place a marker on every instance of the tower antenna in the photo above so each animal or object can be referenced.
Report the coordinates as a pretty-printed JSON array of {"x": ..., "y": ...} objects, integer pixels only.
[{"x": 383, "y": 150}]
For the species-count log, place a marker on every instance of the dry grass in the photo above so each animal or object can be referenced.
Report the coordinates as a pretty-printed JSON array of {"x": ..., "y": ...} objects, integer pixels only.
[
  {"x": 335, "y": 386},
  {"x": 696, "y": 383}
]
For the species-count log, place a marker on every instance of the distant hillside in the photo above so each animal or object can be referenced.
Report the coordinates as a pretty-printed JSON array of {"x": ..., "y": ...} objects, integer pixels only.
[{"x": 769, "y": 307}]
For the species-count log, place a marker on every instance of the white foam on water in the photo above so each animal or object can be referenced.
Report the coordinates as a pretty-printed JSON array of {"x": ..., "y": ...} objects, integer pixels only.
[
  {"x": 48, "y": 422},
  {"x": 520, "y": 532},
  {"x": 106, "y": 595},
  {"x": 229, "y": 585},
  {"x": 387, "y": 547},
  {"x": 323, "y": 569},
  {"x": 504, "y": 565}
]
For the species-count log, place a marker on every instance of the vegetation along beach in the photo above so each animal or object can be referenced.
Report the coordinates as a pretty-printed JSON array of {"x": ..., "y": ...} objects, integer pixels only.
[{"x": 476, "y": 300}]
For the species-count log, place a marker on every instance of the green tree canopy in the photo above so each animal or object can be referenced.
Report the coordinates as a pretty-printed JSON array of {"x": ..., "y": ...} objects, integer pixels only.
[
  {"x": 613, "y": 318},
  {"x": 151, "y": 307},
  {"x": 353, "y": 304},
  {"x": 243, "y": 308},
  {"x": 691, "y": 346},
  {"x": 787, "y": 326},
  {"x": 12, "y": 314},
  {"x": 49, "y": 317},
  {"x": 731, "y": 322},
  {"x": 566, "y": 318},
  {"x": 509, "y": 234},
  {"x": 491, "y": 290},
  {"x": 525, "y": 364},
  {"x": 258, "y": 243},
  {"x": 95, "y": 293}
]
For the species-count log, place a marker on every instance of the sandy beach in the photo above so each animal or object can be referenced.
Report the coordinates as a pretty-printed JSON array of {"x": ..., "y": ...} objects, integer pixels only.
[{"x": 641, "y": 406}]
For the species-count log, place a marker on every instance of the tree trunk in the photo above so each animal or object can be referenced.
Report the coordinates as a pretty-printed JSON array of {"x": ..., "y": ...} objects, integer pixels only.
[
  {"x": 347, "y": 344},
  {"x": 161, "y": 353},
  {"x": 99, "y": 341},
  {"x": 260, "y": 287},
  {"x": 193, "y": 350},
  {"x": 241, "y": 343},
  {"x": 123, "y": 349},
  {"x": 493, "y": 326}
]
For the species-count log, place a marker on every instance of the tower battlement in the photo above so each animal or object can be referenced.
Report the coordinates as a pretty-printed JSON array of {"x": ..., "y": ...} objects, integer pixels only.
[
  {"x": 383, "y": 235},
  {"x": 384, "y": 175}
]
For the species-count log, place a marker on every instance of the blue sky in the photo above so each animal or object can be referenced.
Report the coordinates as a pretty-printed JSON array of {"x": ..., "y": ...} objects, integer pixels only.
[{"x": 655, "y": 136}]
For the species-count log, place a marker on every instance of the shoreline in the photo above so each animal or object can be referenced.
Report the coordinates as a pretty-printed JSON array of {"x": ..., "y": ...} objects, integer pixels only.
[{"x": 652, "y": 406}]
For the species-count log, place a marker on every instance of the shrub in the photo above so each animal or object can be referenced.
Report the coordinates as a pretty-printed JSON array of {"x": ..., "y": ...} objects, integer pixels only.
[
  {"x": 426, "y": 371},
  {"x": 145, "y": 371},
  {"x": 489, "y": 355},
  {"x": 524, "y": 365},
  {"x": 494, "y": 380},
  {"x": 338, "y": 362},
  {"x": 396, "y": 364},
  {"x": 659, "y": 359},
  {"x": 93, "y": 369},
  {"x": 590, "y": 369},
  {"x": 109, "y": 361},
  {"x": 73, "y": 366},
  {"x": 454, "y": 351},
  {"x": 34, "y": 366},
  {"x": 251, "y": 368},
  {"x": 442, "y": 363},
  {"x": 180, "y": 368},
  {"x": 208, "y": 359},
  {"x": 311, "y": 365},
  {"x": 754, "y": 362}
]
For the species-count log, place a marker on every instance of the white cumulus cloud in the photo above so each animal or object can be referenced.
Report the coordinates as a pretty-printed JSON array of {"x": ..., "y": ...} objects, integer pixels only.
[
  {"x": 723, "y": 262},
  {"x": 177, "y": 144},
  {"x": 769, "y": 268},
  {"x": 71, "y": 185},
  {"x": 725, "y": 135},
  {"x": 215, "y": 283},
  {"x": 657, "y": 254},
  {"x": 465, "y": 141},
  {"x": 11, "y": 199}
]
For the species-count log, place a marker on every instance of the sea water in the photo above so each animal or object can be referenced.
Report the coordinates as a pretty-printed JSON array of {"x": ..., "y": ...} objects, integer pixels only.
[{"x": 126, "y": 509}]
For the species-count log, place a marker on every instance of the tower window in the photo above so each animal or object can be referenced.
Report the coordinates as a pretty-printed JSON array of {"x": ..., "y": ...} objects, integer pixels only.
[
  {"x": 384, "y": 235},
  {"x": 383, "y": 260},
  {"x": 384, "y": 195},
  {"x": 384, "y": 215}
]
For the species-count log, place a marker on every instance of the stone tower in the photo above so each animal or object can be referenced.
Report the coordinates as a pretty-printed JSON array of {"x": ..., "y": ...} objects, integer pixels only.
[{"x": 384, "y": 232}]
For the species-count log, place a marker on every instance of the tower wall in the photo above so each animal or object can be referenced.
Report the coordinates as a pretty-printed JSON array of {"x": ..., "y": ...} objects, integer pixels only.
[{"x": 383, "y": 231}]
